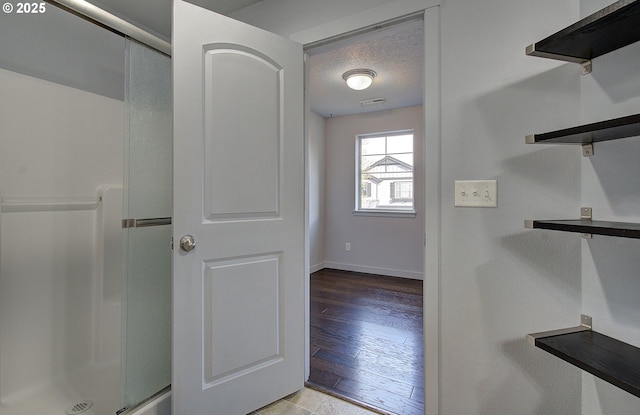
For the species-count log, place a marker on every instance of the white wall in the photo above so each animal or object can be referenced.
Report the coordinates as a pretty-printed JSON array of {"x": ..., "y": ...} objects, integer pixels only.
[
  {"x": 610, "y": 266},
  {"x": 500, "y": 281},
  {"x": 57, "y": 142},
  {"x": 316, "y": 168},
  {"x": 381, "y": 245}
]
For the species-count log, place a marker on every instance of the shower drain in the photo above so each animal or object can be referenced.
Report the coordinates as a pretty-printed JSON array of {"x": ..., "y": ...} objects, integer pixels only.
[{"x": 79, "y": 407}]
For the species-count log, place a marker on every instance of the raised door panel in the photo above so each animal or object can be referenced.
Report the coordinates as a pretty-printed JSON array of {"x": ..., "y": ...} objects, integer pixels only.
[{"x": 243, "y": 129}]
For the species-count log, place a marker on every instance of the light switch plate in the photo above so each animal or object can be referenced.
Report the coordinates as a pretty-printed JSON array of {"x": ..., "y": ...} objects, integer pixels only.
[{"x": 476, "y": 193}]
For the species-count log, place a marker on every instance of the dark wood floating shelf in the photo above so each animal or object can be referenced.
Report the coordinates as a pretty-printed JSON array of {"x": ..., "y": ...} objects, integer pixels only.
[
  {"x": 617, "y": 128},
  {"x": 609, "y": 359},
  {"x": 595, "y": 227},
  {"x": 609, "y": 29}
]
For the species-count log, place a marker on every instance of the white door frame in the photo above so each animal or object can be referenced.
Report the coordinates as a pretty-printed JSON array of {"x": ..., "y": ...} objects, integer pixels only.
[{"x": 431, "y": 157}]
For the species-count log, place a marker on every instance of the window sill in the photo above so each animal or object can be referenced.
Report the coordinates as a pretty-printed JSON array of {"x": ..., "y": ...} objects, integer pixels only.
[{"x": 386, "y": 213}]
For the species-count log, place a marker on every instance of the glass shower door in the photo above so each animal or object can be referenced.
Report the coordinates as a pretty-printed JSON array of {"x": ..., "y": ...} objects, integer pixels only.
[{"x": 146, "y": 344}]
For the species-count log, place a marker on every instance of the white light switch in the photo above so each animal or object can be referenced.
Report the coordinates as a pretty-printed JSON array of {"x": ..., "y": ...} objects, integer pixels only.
[{"x": 476, "y": 193}]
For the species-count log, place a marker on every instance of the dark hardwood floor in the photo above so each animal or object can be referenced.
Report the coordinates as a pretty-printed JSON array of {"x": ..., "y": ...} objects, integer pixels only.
[{"x": 366, "y": 340}]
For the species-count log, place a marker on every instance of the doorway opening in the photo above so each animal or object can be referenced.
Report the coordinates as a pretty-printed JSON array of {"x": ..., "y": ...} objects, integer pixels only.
[{"x": 363, "y": 263}]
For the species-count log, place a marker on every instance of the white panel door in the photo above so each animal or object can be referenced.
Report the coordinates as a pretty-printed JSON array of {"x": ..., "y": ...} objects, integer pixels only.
[{"x": 238, "y": 296}]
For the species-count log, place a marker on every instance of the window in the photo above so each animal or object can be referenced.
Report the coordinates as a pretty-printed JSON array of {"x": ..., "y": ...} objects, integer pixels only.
[
  {"x": 402, "y": 191},
  {"x": 385, "y": 172},
  {"x": 366, "y": 189}
]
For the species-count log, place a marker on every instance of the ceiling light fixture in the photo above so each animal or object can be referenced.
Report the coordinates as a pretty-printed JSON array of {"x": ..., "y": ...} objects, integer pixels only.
[{"x": 359, "y": 79}]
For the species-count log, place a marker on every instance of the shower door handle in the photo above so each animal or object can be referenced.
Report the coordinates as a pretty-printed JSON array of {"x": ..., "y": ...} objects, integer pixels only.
[{"x": 187, "y": 243}]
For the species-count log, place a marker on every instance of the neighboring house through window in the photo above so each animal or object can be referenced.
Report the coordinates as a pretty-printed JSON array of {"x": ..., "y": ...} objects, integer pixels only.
[{"x": 384, "y": 176}]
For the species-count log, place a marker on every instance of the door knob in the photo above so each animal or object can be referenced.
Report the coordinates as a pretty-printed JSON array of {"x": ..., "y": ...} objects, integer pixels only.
[{"x": 187, "y": 243}]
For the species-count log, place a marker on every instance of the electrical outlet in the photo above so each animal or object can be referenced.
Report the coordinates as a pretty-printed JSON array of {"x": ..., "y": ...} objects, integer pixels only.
[
  {"x": 476, "y": 193},
  {"x": 347, "y": 246}
]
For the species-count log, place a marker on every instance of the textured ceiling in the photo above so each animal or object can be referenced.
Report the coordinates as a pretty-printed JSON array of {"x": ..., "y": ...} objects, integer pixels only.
[{"x": 396, "y": 53}]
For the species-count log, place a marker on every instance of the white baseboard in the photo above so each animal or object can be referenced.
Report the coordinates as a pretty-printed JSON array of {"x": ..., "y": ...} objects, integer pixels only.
[
  {"x": 316, "y": 267},
  {"x": 374, "y": 270}
]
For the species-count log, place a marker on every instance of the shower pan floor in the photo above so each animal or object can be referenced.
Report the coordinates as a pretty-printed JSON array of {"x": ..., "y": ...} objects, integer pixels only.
[{"x": 99, "y": 384}]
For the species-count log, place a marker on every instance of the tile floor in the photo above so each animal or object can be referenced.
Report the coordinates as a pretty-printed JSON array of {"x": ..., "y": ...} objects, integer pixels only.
[{"x": 311, "y": 402}]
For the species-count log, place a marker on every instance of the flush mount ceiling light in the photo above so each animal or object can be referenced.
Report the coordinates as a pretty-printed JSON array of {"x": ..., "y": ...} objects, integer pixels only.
[{"x": 359, "y": 79}]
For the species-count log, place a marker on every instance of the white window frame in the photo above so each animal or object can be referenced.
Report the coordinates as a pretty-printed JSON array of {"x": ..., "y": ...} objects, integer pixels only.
[{"x": 389, "y": 212}]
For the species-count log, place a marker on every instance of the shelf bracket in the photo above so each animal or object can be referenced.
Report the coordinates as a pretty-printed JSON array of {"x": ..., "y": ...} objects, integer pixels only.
[
  {"x": 585, "y": 64},
  {"x": 587, "y": 150},
  {"x": 586, "y": 324},
  {"x": 586, "y": 213}
]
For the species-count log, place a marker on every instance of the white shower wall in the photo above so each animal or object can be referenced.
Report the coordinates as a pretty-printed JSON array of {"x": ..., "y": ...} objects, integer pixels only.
[{"x": 57, "y": 142}]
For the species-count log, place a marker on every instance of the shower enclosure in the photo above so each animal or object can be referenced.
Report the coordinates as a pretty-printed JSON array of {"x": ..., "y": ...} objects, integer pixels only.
[{"x": 85, "y": 217}]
